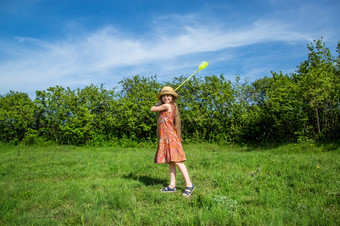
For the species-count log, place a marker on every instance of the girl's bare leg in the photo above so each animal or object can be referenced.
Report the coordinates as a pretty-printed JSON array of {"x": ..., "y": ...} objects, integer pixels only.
[
  {"x": 185, "y": 173},
  {"x": 172, "y": 171}
]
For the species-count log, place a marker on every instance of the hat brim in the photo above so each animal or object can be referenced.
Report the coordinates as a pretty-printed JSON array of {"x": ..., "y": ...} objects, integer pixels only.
[{"x": 167, "y": 92}]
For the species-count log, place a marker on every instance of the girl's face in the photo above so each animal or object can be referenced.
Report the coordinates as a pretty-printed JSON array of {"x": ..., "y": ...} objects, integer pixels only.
[{"x": 167, "y": 99}]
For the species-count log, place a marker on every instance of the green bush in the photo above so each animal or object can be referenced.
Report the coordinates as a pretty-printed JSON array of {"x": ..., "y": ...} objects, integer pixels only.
[{"x": 302, "y": 106}]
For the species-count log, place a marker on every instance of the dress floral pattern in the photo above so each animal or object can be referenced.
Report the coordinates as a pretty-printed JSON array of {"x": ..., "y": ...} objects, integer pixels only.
[{"x": 169, "y": 144}]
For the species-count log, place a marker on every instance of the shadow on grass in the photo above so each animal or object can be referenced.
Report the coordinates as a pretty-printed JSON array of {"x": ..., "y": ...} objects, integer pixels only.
[
  {"x": 295, "y": 146},
  {"x": 146, "y": 179}
]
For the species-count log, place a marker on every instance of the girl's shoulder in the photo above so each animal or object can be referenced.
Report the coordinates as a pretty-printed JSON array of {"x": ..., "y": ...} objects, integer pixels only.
[{"x": 168, "y": 107}]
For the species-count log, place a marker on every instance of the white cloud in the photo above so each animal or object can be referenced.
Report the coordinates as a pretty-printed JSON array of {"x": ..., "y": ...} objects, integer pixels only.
[{"x": 34, "y": 64}]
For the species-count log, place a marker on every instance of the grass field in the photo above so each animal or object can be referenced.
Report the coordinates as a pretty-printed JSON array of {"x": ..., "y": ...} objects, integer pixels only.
[{"x": 297, "y": 184}]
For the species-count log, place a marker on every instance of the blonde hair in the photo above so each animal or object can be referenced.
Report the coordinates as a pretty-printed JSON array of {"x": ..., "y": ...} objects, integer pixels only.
[{"x": 177, "y": 120}]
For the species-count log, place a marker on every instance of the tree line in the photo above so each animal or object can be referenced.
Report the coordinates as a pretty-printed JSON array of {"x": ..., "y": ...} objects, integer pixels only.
[{"x": 278, "y": 108}]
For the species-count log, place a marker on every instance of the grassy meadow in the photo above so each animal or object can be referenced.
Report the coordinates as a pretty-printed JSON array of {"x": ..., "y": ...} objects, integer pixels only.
[{"x": 296, "y": 184}]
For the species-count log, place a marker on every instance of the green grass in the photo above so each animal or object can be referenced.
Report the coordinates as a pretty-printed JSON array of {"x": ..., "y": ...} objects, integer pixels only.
[{"x": 284, "y": 185}]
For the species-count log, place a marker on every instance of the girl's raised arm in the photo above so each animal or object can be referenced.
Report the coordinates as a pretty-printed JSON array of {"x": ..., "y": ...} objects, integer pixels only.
[{"x": 161, "y": 107}]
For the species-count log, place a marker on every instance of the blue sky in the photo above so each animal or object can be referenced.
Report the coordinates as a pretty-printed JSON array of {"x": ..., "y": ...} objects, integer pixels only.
[{"x": 74, "y": 43}]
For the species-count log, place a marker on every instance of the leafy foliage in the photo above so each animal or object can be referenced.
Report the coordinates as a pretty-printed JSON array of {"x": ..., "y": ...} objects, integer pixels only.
[
  {"x": 302, "y": 106},
  {"x": 16, "y": 116}
]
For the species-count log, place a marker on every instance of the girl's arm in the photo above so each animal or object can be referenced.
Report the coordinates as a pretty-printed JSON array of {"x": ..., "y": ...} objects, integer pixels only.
[{"x": 161, "y": 107}]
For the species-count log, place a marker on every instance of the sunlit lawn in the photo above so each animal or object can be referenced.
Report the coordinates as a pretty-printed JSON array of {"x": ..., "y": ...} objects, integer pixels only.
[{"x": 289, "y": 184}]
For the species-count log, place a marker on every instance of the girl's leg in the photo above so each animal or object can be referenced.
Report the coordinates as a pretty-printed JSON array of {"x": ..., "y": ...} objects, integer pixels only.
[
  {"x": 189, "y": 187},
  {"x": 172, "y": 171},
  {"x": 185, "y": 173}
]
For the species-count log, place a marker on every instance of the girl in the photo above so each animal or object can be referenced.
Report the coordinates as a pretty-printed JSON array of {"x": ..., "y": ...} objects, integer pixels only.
[{"x": 170, "y": 148}]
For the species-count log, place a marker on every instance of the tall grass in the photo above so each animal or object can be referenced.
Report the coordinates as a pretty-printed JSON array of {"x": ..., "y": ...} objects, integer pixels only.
[{"x": 290, "y": 184}]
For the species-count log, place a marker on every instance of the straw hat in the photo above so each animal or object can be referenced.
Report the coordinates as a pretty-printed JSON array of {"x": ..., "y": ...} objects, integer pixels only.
[{"x": 167, "y": 90}]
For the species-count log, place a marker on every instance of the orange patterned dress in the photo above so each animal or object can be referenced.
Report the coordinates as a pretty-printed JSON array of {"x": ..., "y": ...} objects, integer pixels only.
[{"x": 169, "y": 144}]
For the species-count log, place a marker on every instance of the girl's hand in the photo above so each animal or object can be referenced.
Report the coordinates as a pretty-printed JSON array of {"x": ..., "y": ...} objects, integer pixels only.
[{"x": 159, "y": 103}]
